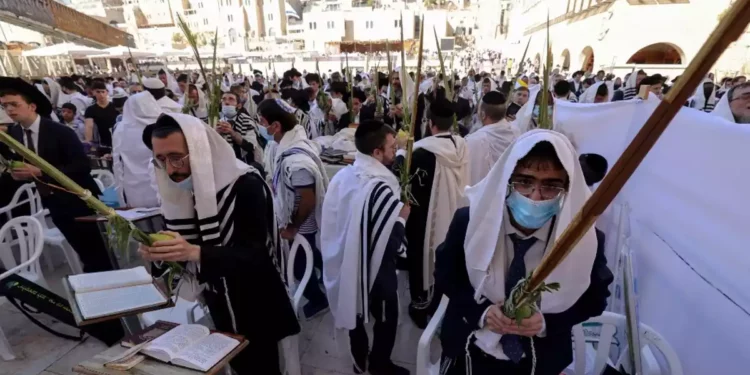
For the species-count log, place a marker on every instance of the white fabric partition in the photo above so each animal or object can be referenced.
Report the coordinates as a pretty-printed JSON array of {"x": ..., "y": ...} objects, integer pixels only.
[{"x": 689, "y": 212}]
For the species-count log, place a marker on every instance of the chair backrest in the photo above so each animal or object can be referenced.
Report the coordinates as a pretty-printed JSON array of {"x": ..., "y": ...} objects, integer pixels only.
[
  {"x": 299, "y": 241},
  {"x": 104, "y": 176},
  {"x": 29, "y": 236},
  {"x": 610, "y": 323},
  {"x": 26, "y": 194}
]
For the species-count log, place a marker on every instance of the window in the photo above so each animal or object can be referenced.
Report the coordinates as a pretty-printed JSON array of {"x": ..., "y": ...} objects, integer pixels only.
[
  {"x": 229, "y": 2},
  {"x": 205, "y": 21},
  {"x": 330, "y": 24},
  {"x": 270, "y": 16},
  {"x": 200, "y": 5},
  {"x": 368, "y": 24},
  {"x": 313, "y": 26},
  {"x": 397, "y": 23}
]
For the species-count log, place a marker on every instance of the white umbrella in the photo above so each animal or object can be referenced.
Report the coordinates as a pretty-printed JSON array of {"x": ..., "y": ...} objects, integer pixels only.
[
  {"x": 122, "y": 52},
  {"x": 70, "y": 49}
]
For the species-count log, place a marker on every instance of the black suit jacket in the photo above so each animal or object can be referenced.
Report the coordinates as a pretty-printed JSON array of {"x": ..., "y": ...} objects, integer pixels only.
[
  {"x": 59, "y": 146},
  {"x": 554, "y": 351}
]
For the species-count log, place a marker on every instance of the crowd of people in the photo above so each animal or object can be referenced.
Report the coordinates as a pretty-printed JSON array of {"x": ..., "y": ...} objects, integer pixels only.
[{"x": 236, "y": 194}]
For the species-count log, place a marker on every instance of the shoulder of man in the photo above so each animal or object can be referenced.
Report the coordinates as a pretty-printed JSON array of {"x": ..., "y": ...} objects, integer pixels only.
[{"x": 56, "y": 127}]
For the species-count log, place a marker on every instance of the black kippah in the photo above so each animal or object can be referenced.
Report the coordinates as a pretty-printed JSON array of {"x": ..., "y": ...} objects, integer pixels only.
[
  {"x": 493, "y": 97},
  {"x": 442, "y": 108}
]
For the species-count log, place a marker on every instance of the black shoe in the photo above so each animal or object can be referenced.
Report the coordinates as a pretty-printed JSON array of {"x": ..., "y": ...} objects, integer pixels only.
[
  {"x": 387, "y": 368},
  {"x": 419, "y": 317},
  {"x": 312, "y": 310}
]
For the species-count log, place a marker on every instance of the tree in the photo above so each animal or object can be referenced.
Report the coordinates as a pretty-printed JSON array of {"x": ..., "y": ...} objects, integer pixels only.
[{"x": 178, "y": 38}]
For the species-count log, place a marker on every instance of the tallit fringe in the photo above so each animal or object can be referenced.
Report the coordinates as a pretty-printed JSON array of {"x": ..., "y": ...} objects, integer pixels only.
[{"x": 229, "y": 305}]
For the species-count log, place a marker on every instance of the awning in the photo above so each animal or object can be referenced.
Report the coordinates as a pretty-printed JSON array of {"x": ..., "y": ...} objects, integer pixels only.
[{"x": 70, "y": 49}]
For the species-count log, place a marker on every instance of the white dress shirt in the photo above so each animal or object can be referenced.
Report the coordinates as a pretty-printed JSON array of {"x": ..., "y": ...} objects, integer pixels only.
[
  {"x": 532, "y": 259},
  {"x": 34, "y": 127}
]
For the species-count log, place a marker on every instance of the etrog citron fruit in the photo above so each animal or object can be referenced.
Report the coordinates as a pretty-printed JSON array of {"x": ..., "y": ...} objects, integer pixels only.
[
  {"x": 17, "y": 164},
  {"x": 160, "y": 237}
]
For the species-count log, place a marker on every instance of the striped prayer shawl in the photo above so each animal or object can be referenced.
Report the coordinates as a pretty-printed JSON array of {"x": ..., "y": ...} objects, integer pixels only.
[
  {"x": 242, "y": 124},
  {"x": 211, "y": 231},
  {"x": 629, "y": 93},
  {"x": 306, "y": 122},
  {"x": 380, "y": 208}
]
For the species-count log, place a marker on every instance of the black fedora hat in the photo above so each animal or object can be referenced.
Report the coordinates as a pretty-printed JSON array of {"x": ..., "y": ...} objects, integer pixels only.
[{"x": 43, "y": 106}]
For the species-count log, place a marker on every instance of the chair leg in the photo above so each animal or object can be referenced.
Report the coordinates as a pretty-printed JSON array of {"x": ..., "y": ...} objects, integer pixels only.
[
  {"x": 72, "y": 258},
  {"x": 5, "y": 351},
  {"x": 48, "y": 260}
]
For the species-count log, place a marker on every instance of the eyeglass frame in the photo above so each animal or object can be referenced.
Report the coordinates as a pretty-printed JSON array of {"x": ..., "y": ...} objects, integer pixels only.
[
  {"x": 534, "y": 187},
  {"x": 174, "y": 162}
]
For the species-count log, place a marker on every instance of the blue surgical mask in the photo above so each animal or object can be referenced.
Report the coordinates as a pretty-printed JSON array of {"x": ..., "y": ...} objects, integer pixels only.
[
  {"x": 229, "y": 111},
  {"x": 529, "y": 213},
  {"x": 264, "y": 133},
  {"x": 186, "y": 184}
]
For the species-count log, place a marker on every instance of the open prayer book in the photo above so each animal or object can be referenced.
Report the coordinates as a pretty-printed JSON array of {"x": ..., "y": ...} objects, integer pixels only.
[
  {"x": 192, "y": 346},
  {"x": 103, "y": 294}
]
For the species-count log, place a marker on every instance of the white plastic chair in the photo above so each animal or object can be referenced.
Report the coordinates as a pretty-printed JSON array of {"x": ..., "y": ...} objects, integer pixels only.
[
  {"x": 610, "y": 323},
  {"x": 425, "y": 366},
  {"x": 26, "y": 195},
  {"x": 104, "y": 176},
  {"x": 290, "y": 345},
  {"x": 99, "y": 184},
  {"x": 29, "y": 238}
]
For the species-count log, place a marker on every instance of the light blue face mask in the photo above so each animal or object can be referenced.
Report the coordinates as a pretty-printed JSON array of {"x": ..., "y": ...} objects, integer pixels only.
[
  {"x": 186, "y": 184},
  {"x": 529, "y": 213},
  {"x": 264, "y": 133},
  {"x": 229, "y": 111}
]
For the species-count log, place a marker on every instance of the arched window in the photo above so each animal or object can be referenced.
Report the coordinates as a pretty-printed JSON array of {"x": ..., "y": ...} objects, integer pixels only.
[
  {"x": 587, "y": 59},
  {"x": 657, "y": 53}
]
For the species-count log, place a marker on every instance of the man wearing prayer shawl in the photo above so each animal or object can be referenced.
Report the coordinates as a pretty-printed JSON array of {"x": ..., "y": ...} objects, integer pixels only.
[
  {"x": 195, "y": 102},
  {"x": 705, "y": 97},
  {"x": 299, "y": 184},
  {"x": 361, "y": 241},
  {"x": 131, "y": 159},
  {"x": 439, "y": 171},
  {"x": 159, "y": 92},
  {"x": 240, "y": 130},
  {"x": 220, "y": 212},
  {"x": 735, "y": 104},
  {"x": 515, "y": 214},
  {"x": 630, "y": 89},
  {"x": 490, "y": 141}
]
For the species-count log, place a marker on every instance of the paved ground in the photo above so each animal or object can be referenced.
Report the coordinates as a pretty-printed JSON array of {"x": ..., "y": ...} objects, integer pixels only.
[{"x": 322, "y": 350}]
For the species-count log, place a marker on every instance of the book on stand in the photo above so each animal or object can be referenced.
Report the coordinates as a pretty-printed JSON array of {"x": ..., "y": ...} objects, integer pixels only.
[{"x": 100, "y": 296}]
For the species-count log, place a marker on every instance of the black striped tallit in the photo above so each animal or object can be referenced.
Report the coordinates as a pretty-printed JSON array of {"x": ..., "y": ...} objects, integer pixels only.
[
  {"x": 629, "y": 93},
  {"x": 380, "y": 206}
]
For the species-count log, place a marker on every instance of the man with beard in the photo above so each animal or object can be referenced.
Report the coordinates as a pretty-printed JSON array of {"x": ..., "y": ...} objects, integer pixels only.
[
  {"x": 220, "y": 212},
  {"x": 735, "y": 104}
]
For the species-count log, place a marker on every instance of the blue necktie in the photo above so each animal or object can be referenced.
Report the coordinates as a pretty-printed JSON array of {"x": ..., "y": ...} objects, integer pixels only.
[{"x": 512, "y": 343}]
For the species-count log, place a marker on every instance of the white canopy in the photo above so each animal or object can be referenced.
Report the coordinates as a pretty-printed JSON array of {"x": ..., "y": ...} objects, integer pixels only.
[
  {"x": 121, "y": 52},
  {"x": 169, "y": 51},
  {"x": 208, "y": 52},
  {"x": 70, "y": 49}
]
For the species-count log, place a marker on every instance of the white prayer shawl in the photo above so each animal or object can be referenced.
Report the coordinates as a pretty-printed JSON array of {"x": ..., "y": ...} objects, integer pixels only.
[
  {"x": 699, "y": 101},
  {"x": 522, "y": 123},
  {"x": 54, "y": 92},
  {"x": 201, "y": 110},
  {"x": 485, "y": 147},
  {"x": 347, "y": 275},
  {"x": 169, "y": 105},
  {"x": 723, "y": 109},
  {"x": 285, "y": 165},
  {"x": 213, "y": 167},
  {"x": 131, "y": 159},
  {"x": 172, "y": 82},
  {"x": 338, "y": 107},
  {"x": 589, "y": 95},
  {"x": 485, "y": 245},
  {"x": 446, "y": 196}
]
